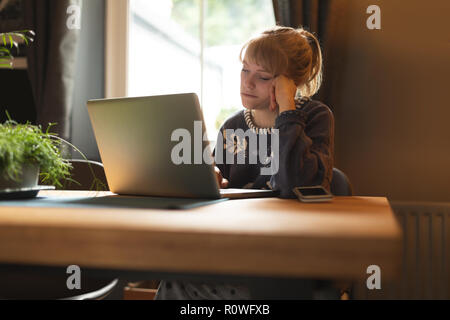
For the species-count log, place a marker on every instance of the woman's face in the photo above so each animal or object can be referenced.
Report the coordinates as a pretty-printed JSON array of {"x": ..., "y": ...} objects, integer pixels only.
[{"x": 256, "y": 84}]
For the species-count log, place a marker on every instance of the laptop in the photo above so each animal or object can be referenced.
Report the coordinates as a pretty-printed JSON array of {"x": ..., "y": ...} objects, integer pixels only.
[{"x": 135, "y": 137}]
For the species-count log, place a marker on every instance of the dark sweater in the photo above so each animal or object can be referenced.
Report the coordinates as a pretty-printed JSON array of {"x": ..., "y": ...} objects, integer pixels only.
[{"x": 306, "y": 148}]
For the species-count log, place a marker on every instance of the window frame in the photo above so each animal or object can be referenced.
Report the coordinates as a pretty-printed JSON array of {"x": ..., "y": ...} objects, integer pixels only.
[{"x": 116, "y": 56}]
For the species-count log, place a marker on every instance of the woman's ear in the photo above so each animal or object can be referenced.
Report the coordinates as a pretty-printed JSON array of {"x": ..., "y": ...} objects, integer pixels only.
[{"x": 273, "y": 98}]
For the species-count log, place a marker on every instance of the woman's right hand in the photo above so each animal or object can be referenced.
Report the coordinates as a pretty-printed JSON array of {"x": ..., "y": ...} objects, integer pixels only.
[
  {"x": 282, "y": 94},
  {"x": 223, "y": 183}
]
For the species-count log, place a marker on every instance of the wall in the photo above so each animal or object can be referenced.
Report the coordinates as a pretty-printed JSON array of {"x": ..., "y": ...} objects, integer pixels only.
[
  {"x": 89, "y": 81},
  {"x": 389, "y": 96}
]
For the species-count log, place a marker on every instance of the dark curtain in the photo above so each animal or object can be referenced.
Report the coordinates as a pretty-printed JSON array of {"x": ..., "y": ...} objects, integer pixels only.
[
  {"x": 311, "y": 14},
  {"x": 52, "y": 61},
  {"x": 318, "y": 17}
]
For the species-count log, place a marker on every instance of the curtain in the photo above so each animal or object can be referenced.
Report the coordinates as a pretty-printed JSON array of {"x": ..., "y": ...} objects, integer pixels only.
[
  {"x": 52, "y": 61},
  {"x": 319, "y": 17},
  {"x": 311, "y": 14}
]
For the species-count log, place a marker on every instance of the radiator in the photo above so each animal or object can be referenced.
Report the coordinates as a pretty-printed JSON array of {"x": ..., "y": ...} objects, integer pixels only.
[{"x": 425, "y": 258}]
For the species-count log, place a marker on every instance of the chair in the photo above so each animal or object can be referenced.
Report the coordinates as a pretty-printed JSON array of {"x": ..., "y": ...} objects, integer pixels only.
[
  {"x": 83, "y": 173},
  {"x": 142, "y": 290},
  {"x": 49, "y": 284},
  {"x": 340, "y": 184},
  {"x": 15, "y": 284}
]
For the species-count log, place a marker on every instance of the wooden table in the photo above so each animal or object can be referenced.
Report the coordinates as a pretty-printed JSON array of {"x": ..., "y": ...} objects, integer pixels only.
[{"x": 262, "y": 237}]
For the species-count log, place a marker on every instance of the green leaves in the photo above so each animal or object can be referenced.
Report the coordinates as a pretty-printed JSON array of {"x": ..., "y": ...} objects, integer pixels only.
[
  {"x": 7, "y": 38},
  {"x": 24, "y": 143},
  {"x": 5, "y": 65},
  {"x": 5, "y": 58},
  {"x": 27, "y": 36},
  {"x": 8, "y": 42}
]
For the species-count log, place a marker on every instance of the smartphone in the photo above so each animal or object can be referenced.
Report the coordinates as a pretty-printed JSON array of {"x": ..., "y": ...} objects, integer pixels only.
[{"x": 312, "y": 194}]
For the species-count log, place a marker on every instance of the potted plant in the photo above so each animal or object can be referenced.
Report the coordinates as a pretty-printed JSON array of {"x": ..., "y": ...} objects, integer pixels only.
[{"x": 27, "y": 152}]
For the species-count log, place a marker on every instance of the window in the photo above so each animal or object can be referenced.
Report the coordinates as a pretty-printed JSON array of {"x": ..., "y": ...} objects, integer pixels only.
[{"x": 193, "y": 46}]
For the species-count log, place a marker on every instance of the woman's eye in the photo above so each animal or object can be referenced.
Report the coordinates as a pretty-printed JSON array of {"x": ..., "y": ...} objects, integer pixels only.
[{"x": 261, "y": 78}]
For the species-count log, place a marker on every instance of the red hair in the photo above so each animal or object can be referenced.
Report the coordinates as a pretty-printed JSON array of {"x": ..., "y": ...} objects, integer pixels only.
[{"x": 294, "y": 53}]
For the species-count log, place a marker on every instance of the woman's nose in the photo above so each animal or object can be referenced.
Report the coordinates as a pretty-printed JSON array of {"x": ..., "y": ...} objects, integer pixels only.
[{"x": 249, "y": 82}]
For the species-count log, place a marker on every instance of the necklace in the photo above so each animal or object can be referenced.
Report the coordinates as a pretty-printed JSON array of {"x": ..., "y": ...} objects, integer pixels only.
[
  {"x": 258, "y": 130},
  {"x": 252, "y": 126}
]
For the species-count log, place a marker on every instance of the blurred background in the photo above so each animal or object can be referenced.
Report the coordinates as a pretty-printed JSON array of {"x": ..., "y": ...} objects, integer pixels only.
[{"x": 387, "y": 87}]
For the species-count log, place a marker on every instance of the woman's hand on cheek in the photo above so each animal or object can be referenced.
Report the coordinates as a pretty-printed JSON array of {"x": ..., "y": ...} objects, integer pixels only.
[{"x": 284, "y": 90}]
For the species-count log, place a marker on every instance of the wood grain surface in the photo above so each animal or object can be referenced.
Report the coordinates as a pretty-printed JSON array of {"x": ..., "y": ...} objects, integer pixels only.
[{"x": 263, "y": 237}]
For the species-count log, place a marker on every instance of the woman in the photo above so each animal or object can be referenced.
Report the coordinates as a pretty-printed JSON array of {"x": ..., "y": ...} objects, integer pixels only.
[
  {"x": 280, "y": 65},
  {"x": 282, "y": 69}
]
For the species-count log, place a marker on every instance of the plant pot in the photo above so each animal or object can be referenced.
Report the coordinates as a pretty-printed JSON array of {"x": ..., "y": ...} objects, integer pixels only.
[{"x": 28, "y": 179}]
